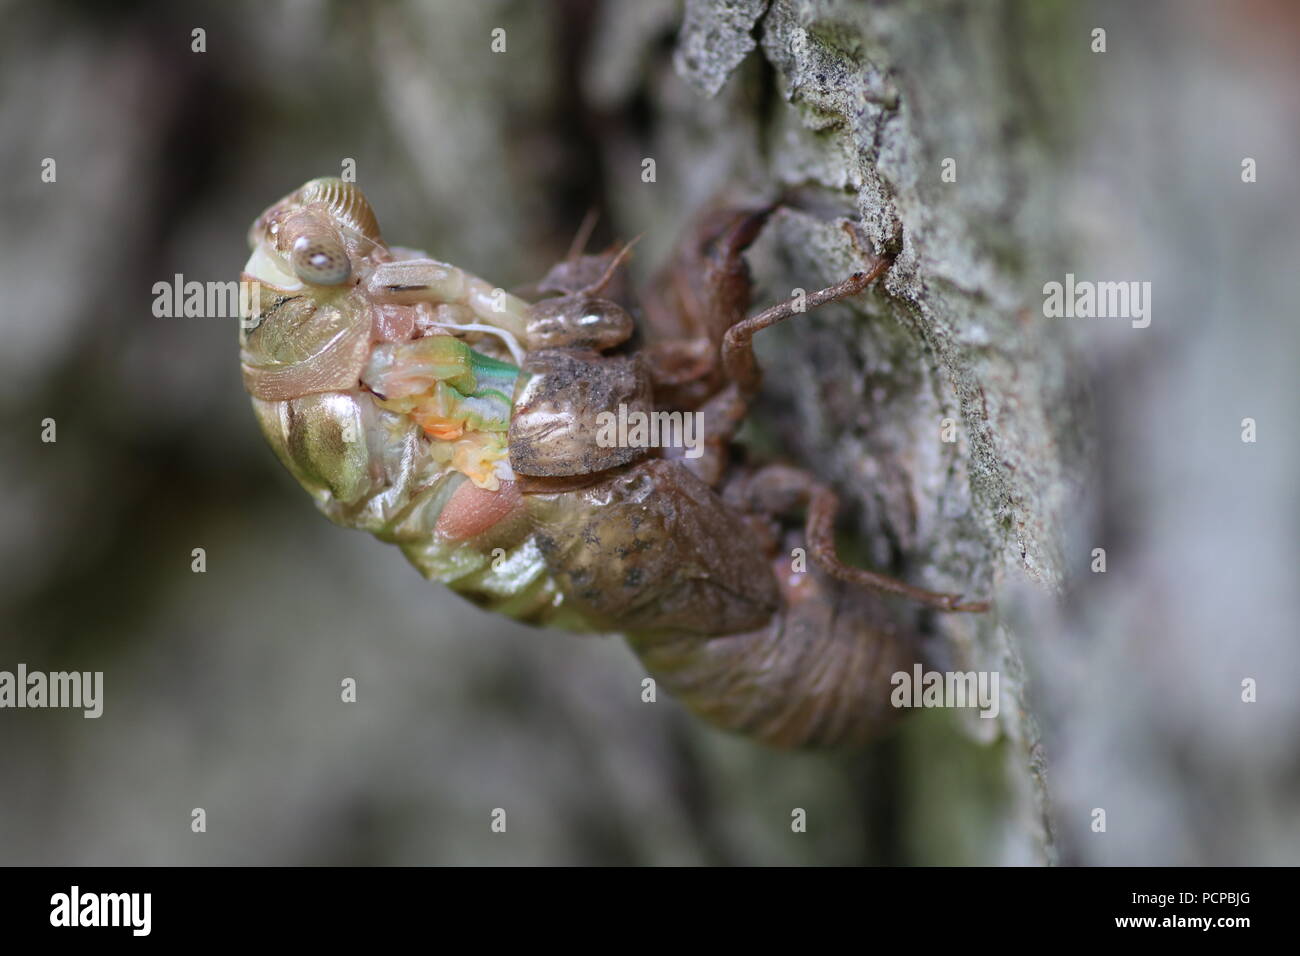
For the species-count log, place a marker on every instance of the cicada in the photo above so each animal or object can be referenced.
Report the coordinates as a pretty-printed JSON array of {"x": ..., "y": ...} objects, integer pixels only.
[{"x": 423, "y": 404}]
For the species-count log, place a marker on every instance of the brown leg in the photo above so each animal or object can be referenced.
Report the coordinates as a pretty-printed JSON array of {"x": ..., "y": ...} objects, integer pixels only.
[
  {"x": 691, "y": 304},
  {"x": 725, "y": 411},
  {"x": 738, "y": 345},
  {"x": 706, "y": 360},
  {"x": 722, "y": 416},
  {"x": 775, "y": 489},
  {"x": 778, "y": 489},
  {"x": 821, "y": 546}
]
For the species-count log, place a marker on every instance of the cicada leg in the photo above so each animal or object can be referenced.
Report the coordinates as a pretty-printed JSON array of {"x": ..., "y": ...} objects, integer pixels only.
[
  {"x": 725, "y": 411},
  {"x": 704, "y": 290},
  {"x": 733, "y": 377},
  {"x": 780, "y": 489},
  {"x": 738, "y": 344}
]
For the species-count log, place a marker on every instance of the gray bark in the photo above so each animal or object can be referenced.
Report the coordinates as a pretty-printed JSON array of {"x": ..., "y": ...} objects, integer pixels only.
[{"x": 865, "y": 106}]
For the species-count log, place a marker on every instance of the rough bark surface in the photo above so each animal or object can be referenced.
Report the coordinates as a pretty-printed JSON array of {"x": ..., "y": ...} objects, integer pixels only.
[{"x": 850, "y": 115}]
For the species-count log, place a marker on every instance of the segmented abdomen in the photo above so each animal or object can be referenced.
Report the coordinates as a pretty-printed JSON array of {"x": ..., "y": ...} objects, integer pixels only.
[
  {"x": 818, "y": 674},
  {"x": 650, "y": 551}
]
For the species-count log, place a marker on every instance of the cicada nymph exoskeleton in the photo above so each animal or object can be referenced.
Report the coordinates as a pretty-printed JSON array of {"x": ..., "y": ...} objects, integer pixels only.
[{"x": 416, "y": 401}]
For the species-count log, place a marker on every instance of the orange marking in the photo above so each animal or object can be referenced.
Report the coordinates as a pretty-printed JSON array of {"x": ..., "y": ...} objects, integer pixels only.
[{"x": 435, "y": 426}]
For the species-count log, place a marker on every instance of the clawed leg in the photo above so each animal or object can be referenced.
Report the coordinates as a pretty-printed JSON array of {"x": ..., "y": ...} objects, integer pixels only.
[
  {"x": 738, "y": 345},
  {"x": 725, "y": 411},
  {"x": 701, "y": 350},
  {"x": 722, "y": 415},
  {"x": 776, "y": 489},
  {"x": 779, "y": 489},
  {"x": 822, "y": 507},
  {"x": 688, "y": 308}
]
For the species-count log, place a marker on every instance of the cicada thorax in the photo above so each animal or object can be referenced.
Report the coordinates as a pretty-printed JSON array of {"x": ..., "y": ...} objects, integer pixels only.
[{"x": 301, "y": 344}]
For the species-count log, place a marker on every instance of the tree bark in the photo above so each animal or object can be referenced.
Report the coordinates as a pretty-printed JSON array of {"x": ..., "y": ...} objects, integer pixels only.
[{"x": 852, "y": 114}]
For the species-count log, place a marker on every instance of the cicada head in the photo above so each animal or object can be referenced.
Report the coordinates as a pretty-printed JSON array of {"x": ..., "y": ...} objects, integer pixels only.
[
  {"x": 311, "y": 327},
  {"x": 315, "y": 239}
]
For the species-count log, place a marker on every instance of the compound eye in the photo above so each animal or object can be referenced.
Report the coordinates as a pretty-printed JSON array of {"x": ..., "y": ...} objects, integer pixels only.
[{"x": 320, "y": 261}]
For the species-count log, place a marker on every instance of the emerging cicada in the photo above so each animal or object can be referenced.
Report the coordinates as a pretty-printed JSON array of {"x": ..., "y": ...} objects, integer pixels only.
[{"x": 417, "y": 402}]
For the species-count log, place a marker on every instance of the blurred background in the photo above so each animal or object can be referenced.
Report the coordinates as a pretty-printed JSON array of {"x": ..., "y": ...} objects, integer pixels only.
[{"x": 222, "y": 689}]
